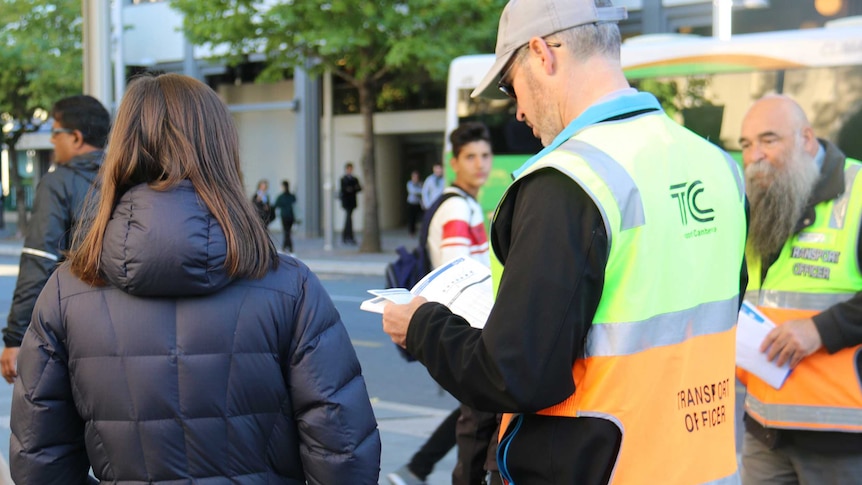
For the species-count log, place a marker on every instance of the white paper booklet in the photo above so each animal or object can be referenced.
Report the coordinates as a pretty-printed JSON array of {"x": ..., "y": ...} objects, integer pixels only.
[
  {"x": 751, "y": 329},
  {"x": 463, "y": 285}
]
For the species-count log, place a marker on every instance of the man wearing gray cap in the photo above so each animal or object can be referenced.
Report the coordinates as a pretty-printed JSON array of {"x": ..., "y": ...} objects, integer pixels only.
[{"x": 622, "y": 246}]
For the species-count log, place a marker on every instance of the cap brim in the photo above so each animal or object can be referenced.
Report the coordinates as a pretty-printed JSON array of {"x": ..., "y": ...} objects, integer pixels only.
[{"x": 487, "y": 88}]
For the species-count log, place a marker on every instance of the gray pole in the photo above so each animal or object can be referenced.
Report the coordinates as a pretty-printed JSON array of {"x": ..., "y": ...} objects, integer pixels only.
[
  {"x": 653, "y": 18},
  {"x": 328, "y": 164},
  {"x": 97, "y": 51},
  {"x": 307, "y": 94},
  {"x": 119, "y": 60},
  {"x": 190, "y": 66}
]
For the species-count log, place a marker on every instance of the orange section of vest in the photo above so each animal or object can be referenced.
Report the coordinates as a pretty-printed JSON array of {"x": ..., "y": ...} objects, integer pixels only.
[
  {"x": 675, "y": 394},
  {"x": 820, "y": 380}
]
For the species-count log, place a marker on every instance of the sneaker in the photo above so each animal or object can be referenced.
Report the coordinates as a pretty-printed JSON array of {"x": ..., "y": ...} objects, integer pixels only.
[{"x": 403, "y": 476}]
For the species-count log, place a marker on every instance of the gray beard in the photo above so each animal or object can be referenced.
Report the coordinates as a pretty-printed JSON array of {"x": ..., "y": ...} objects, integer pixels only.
[{"x": 776, "y": 209}]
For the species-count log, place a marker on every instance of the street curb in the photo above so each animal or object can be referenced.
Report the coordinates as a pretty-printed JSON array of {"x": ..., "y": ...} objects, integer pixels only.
[
  {"x": 340, "y": 267},
  {"x": 7, "y": 250},
  {"x": 322, "y": 266}
]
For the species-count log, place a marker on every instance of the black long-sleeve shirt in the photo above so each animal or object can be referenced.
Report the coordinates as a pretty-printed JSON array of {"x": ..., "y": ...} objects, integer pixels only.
[{"x": 559, "y": 250}]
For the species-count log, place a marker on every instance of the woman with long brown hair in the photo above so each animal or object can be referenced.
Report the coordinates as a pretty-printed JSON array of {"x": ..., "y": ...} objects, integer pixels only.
[{"x": 175, "y": 344}]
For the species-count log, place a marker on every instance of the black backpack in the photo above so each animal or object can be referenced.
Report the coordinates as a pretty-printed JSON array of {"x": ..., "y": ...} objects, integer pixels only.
[{"x": 412, "y": 265}]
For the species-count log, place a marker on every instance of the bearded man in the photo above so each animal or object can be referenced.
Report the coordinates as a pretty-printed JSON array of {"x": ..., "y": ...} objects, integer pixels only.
[{"x": 803, "y": 254}]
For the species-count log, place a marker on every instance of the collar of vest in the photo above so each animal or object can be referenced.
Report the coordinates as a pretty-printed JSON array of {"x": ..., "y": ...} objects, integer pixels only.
[{"x": 595, "y": 114}]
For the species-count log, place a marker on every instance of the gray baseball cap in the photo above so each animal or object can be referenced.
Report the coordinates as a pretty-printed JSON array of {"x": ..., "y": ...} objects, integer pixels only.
[{"x": 524, "y": 19}]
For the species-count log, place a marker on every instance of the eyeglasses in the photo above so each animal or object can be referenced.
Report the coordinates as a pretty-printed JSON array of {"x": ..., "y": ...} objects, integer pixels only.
[
  {"x": 506, "y": 87},
  {"x": 57, "y": 131}
]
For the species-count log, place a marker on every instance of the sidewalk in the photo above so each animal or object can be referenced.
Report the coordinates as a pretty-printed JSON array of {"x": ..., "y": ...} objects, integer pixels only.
[{"x": 340, "y": 259}]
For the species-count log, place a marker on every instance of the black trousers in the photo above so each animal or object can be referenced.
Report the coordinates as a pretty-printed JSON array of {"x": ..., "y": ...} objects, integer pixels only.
[
  {"x": 414, "y": 216},
  {"x": 287, "y": 226},
  {"x": 347, "y": 233},
  {"x": 435, "y": 448}
]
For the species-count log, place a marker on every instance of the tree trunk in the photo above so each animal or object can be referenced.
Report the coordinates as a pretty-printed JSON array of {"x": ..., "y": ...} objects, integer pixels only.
[
  {"x": 20, "y": 199},
  {"x": 370, "y": 218}
]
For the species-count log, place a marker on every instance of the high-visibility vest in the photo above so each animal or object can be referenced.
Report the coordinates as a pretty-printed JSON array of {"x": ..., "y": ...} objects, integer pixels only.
[
  {"x": 816, "y": 269},
  {"x": 659, "y": 356}
]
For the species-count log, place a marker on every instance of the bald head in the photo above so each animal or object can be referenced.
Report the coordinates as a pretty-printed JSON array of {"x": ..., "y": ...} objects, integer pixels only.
[
  {"x": 777, "y": 109},
  {"x": 773, "y": 128}
]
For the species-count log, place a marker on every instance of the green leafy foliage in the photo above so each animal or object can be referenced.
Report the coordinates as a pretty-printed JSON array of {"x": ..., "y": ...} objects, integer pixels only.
[
  {"x": 40, "y": 62},
  {"x": 359, "y": 40},
  {"x": 40, "y": 58}
]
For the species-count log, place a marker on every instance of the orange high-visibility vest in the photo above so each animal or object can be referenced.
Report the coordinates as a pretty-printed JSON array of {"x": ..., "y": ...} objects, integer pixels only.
[
  {"x": 659, "y": 356},
  {"x": 816, "y": 269}
]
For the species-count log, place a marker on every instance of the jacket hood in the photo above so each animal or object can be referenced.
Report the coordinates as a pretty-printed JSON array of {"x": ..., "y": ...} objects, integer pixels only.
[
  {"x": 164, "y": 244},
  {"x": 90, "y": 161}
]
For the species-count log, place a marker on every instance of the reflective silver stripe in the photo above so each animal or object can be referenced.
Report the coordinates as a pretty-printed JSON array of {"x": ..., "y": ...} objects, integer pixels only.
[
  {"x": 616, "y": 177},
  {"x": 796, "y": 300},
  {"x": 839, "y": 209},
  {"x": 804, "y": 415},
  {"x": 734, "y": 169},
  {"x": 40, "y": 253},
  {"x": 610, "y": 339}
]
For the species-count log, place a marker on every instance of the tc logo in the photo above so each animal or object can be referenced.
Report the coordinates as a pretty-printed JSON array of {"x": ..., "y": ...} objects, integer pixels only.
[{"x": 686, "y": 196}]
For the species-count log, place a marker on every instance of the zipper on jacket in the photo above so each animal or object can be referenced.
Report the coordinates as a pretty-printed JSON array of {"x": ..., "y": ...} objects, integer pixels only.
[{"x": 503, "y": 451}]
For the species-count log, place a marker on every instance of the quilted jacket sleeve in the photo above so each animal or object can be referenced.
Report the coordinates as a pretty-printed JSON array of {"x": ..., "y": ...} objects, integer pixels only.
[
  {"x": 47, "y": 444},
  {"x": 339, "y": 440}
]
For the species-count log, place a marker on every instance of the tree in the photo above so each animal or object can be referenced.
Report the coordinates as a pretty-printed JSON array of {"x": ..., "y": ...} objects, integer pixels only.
[
  {"x": 360, "y": 41},
  {"x": 40, "y": 62}
]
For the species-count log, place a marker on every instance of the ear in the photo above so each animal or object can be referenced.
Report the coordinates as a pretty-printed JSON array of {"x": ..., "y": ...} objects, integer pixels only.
[
  {"x": 811, "y": 144},
  {"x": 540, "y": 51},
  {"x": 78, "y": 139}
]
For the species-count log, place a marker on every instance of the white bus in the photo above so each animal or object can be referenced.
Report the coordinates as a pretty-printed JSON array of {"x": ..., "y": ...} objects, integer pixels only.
[{"x": 704, "y": 83}]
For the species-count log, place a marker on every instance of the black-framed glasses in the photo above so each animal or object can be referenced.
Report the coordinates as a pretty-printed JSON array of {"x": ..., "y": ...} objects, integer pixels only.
[
  {"x": 57, "y": 131},
  {"x": 506, "y": 87}
]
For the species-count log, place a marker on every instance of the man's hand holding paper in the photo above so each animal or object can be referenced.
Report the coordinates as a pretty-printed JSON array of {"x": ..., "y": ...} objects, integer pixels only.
[
  {"x": 396, "y": 319},
  {"x": 791, "y": 342}
]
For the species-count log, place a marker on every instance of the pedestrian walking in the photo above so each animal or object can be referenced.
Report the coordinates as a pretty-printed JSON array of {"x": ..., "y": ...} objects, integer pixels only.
[
  {"x": 349, "y": 188},
  {"x": 79, "y": 132},
  {"x": 284, "y": 203}
]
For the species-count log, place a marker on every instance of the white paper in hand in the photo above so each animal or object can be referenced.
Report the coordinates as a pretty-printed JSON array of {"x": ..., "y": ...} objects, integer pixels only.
[
  {"x": 751, "y": 329},
  {"x": 463, "y": 285}
]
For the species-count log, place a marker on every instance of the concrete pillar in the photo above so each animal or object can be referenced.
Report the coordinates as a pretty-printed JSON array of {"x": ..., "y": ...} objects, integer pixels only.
[
  {"x": 307, "y": 94},
  {"x": 97, "y": 50},
  {"x": 328, "y": 165}
]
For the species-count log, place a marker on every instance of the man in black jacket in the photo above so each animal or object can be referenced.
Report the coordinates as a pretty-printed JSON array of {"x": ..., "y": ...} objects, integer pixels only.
[
  {"x": 349, "y": 188},
  {"x": 79, "y": 133}
]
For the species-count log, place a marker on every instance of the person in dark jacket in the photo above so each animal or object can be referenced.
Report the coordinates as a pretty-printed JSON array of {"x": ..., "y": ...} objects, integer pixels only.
[
  {"x": 284, "y": 203},
  {"x": 79, "y": 133},
  {"x": 176, "y": 345},
  {"x": 349, "y": 188},
  {"x": 263, "y": 202}
]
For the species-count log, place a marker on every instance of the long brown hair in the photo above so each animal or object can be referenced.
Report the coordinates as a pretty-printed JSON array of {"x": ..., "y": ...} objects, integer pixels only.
[{"x": 171, "y": 128}]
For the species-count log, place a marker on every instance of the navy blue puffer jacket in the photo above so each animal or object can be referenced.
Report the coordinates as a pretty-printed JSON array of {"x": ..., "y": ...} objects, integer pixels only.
[{"x": 176, "y": 373}]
